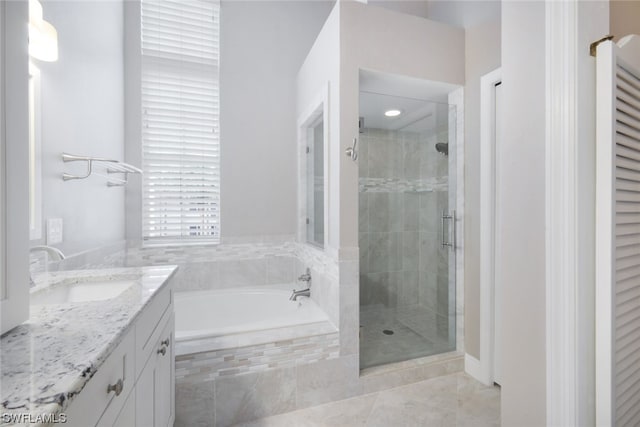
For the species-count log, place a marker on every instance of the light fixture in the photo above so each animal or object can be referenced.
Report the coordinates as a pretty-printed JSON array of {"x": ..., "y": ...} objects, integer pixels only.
[
  {"x": 392, "y": 113},
  {"x": 43, "y": 37}
]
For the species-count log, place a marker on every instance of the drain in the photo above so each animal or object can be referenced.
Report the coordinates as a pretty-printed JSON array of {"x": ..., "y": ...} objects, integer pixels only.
[{"x": 387, "y": 332}]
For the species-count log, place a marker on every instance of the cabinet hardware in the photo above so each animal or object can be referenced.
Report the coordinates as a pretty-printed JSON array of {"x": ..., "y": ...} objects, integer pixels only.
[{"x": 117, "y": 387}]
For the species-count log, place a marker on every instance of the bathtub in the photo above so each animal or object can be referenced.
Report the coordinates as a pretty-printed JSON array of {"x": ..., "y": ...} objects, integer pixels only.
[{"x": 239, "y": 317}]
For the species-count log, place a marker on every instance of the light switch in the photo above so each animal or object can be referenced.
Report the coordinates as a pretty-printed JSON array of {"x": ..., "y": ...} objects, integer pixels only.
[{"x": 54, "y": 231}]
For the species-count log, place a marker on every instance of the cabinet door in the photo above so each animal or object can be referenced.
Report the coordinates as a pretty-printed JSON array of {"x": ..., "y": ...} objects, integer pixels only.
[
  {"x": 127, "y": 417},
  {"x": 155, "y": 389},
  {"x": 165, "y": 379},
  {"x": 145, "y": 397}
]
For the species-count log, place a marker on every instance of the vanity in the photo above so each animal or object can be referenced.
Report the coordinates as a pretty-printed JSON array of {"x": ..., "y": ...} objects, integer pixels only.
[{"x": 97, "y": 350}]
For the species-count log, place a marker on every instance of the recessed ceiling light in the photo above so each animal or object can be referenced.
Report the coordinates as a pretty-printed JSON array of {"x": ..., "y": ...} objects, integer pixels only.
[{"x": 392, "y": 113}]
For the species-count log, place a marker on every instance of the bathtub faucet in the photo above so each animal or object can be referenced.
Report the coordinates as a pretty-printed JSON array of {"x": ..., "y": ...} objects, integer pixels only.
[
  {"x": 306, "y": 277},
  {"x": 302, "y": 293}
]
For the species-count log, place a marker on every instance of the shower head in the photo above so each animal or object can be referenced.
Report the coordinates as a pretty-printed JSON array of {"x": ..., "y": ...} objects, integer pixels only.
[{"x": 442, "y": 148}]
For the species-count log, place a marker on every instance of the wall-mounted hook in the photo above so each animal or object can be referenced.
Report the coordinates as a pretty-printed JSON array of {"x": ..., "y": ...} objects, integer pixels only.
[{"x": 351, "y": 151}]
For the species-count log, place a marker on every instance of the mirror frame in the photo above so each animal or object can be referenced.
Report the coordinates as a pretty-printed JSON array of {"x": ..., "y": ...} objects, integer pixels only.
[
  {"x": 35, "y": 153},
  {"x": 14, "y": 136}
]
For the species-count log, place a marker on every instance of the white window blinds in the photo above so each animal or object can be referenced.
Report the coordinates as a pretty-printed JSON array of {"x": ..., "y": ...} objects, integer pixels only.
[{"x": 180, "y": 113}]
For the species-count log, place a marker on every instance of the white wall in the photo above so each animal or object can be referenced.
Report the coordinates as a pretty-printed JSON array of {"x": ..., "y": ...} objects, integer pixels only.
[
  {"x": 321, "y": 68},
  {"x": 263, "y": 45},
  {"x": 82, "y": 113},
  {"x": 410, "y": 7},
  {"x": 523, "y": 248},
  {"x": 482, "y": 55},
  {"x": 464, "y": 13}
]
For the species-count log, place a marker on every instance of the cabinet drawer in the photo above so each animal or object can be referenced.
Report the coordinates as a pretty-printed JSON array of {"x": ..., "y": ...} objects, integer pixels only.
[
  {"x": 99, "y": 394},
  {"x": 148, "y": 327}
]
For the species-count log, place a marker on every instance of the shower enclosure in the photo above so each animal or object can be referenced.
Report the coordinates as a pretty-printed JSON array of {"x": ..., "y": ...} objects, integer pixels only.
[{"x": 406, "y": 229}]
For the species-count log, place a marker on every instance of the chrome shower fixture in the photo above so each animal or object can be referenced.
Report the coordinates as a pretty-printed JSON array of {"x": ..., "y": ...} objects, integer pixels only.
[{"x": 442, "y": 148}]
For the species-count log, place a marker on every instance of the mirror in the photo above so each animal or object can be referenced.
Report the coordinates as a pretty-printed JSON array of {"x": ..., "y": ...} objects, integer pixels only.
[{"x": 315, "y": 182}]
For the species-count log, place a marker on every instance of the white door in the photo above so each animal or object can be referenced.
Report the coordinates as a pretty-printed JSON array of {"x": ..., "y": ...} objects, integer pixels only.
[
  {"x": 497, "y": 290},
  {"x": 618, "y": 233}
]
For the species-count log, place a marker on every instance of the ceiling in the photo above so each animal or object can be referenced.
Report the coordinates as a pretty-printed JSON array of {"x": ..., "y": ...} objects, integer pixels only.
[{"x": 423, "y": 103}]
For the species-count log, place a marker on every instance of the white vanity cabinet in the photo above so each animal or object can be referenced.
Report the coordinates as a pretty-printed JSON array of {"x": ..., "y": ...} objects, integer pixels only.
[
  {"x": 134, "y": 387},
  {"x": 155, "y": 387},
  {"x": 101, "y": 400}
]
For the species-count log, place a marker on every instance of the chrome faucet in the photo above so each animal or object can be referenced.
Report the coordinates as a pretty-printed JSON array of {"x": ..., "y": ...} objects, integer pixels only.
[
  {"x": 55, "y": 253},
  {"x": 306, "y": 277}
]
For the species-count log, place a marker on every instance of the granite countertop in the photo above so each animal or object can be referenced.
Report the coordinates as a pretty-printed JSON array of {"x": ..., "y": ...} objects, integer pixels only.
[{"x": 46, "y": 361}]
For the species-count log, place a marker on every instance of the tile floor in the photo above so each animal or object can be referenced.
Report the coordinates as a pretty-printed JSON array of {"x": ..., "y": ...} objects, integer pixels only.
[
  {"x": 417, "y": 332},
  {"x": 454, "y": 400}
]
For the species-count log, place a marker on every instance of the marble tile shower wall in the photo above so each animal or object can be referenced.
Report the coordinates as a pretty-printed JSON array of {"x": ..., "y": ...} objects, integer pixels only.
[{"x": 403, "y": 190}]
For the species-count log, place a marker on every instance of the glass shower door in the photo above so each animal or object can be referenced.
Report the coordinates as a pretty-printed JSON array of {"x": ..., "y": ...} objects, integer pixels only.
[{"x": 406, "y": 230}]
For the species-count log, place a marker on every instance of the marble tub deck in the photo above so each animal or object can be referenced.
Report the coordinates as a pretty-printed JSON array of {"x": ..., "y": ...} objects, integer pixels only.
[{"x": 454, "y": 400}]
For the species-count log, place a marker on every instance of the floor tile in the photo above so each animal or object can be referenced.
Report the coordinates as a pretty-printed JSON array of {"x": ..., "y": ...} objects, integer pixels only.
[{"x": 453, "y": 400}]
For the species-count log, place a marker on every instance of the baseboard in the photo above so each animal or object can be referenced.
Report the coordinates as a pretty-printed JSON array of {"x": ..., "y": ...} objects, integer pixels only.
[{"x": 472, "y": 367}]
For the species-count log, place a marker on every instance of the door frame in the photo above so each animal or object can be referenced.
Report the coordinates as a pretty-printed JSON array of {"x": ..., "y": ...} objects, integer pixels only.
[
  {"x": 483, "y": 369},
  {"x": 457, "y": 180}
]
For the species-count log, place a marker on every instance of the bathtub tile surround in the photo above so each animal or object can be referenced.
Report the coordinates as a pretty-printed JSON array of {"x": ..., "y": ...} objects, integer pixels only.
[
  {"x": 325, "y": 278},
  {"x": 195, "y": 367},
  {"x": 195, "y": 404},
  {"x": 245, "y": 261},
  {"x": 68, "y": 342},
  {"x": 255, "y": 395},
  {"x": 313, "y": 384}
]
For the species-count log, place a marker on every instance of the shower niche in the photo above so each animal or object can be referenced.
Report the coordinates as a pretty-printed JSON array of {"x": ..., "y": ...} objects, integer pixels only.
[{"x": 407, "y": 222}]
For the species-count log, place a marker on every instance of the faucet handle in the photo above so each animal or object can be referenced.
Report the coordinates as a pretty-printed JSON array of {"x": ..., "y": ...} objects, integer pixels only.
[{"x": 306, "y": 277}]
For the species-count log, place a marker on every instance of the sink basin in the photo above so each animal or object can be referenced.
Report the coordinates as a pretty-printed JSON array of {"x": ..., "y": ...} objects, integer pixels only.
[{"x": 81, "y": 292}]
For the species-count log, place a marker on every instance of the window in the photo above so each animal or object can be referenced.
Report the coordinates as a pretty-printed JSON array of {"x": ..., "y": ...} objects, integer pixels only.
[{"x": 180, "y": 118}]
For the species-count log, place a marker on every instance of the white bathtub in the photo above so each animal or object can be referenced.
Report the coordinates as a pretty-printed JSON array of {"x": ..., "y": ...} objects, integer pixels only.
[{"x": 228, "y": 318}]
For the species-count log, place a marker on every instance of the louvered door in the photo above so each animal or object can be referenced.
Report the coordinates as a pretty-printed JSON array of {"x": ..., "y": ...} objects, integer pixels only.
[{"x": 618, "y": 234}]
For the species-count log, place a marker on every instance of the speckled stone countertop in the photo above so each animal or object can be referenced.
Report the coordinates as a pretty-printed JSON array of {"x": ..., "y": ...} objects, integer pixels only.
[{"x": 46, "y": 361}]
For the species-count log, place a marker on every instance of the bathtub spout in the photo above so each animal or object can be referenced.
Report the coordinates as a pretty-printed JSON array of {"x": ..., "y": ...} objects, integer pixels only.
[{"x": 302, "y": 293}]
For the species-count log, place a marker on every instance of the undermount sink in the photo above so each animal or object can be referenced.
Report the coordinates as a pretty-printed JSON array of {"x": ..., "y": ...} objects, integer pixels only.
[{"x": 81, "y": 292}]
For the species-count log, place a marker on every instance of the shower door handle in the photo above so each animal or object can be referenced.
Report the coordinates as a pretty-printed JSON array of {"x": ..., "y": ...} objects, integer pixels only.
[{"x": 452, "y": 233}]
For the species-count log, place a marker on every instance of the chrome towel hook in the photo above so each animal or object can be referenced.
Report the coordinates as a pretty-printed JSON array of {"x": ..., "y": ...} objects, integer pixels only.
[{"x": 351, "y": 151}]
